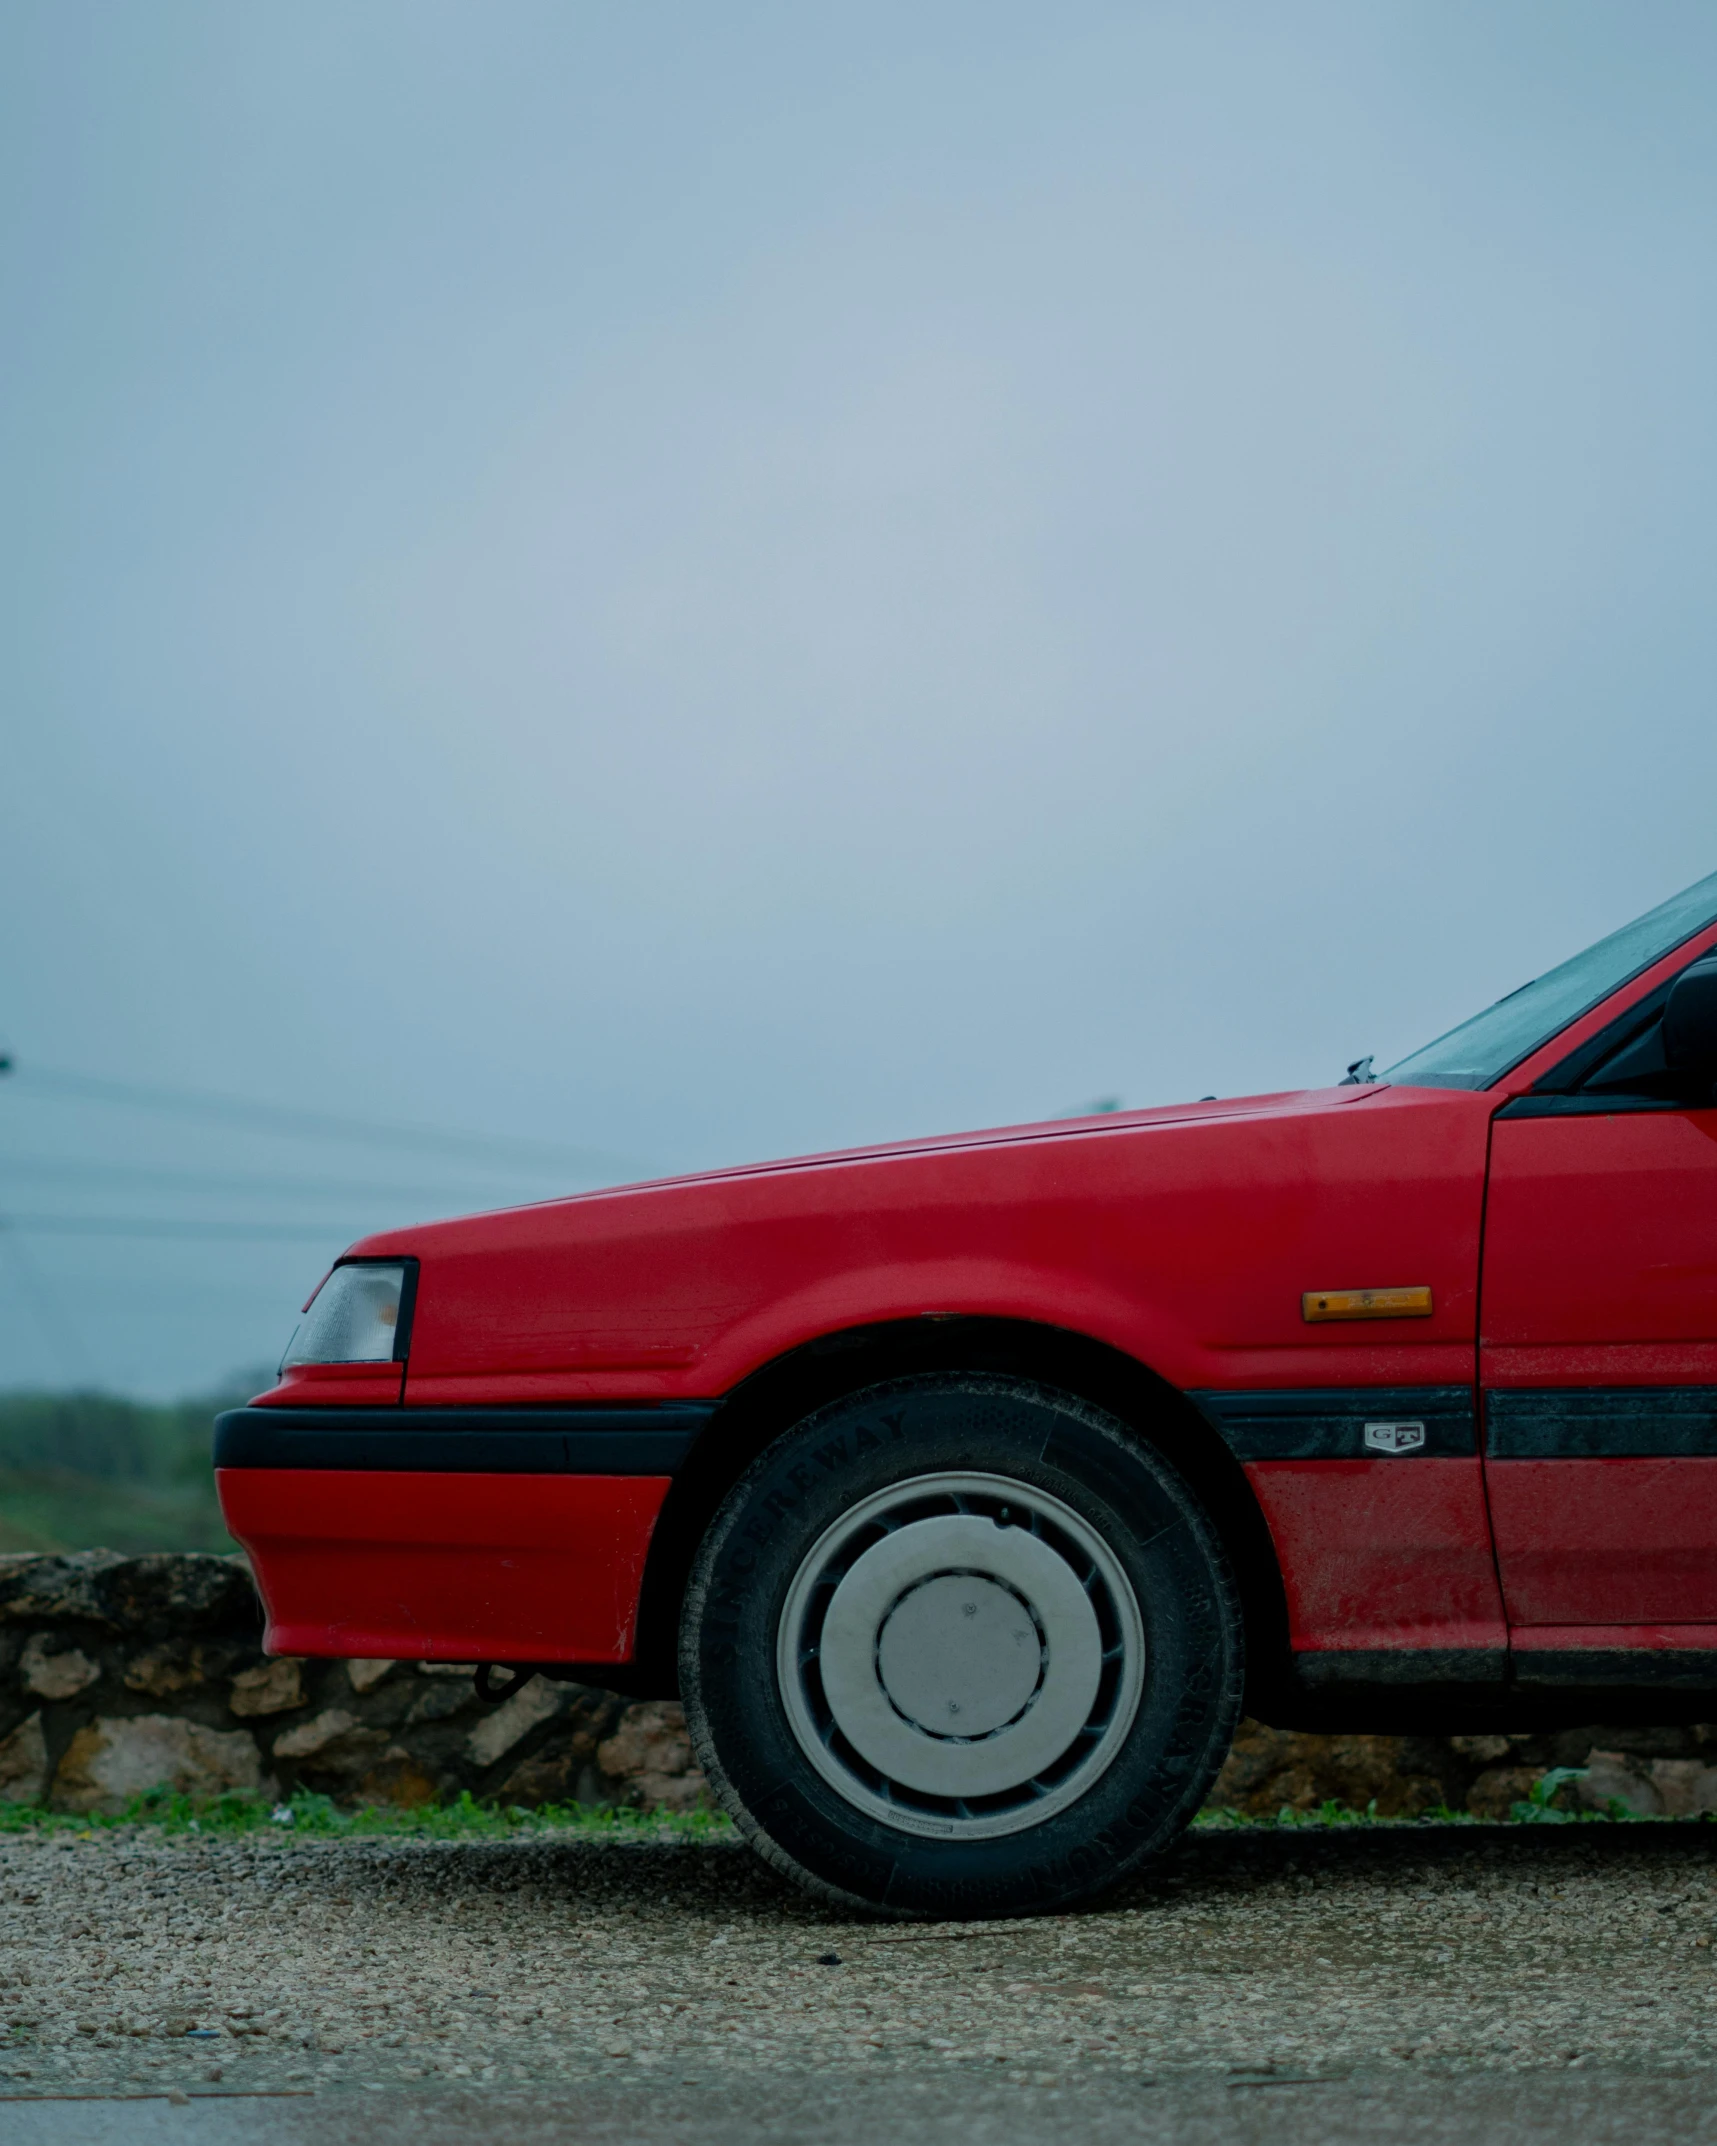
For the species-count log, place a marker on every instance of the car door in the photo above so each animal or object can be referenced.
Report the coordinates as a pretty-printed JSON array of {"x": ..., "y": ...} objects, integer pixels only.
[{"x": 1598, "y": 1348}]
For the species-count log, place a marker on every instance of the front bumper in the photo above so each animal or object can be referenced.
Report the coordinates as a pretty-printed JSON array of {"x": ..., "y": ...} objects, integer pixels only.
[{"x": 506, "y": 1535}]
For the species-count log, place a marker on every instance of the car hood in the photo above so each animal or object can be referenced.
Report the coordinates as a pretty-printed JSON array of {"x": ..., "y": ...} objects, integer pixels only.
[{"x": 1209, "y": 1109}]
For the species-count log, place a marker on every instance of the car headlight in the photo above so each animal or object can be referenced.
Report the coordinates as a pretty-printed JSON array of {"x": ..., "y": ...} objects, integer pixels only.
[{"x": 358, "y": 1316}]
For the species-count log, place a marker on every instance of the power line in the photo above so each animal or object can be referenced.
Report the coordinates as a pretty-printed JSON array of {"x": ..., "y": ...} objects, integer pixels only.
[
  {"x": 167, "y": 1226},
  {"x": 315, "y": 1124},
  {"x": 128, "y": 1295},
  {"x": 113, "y": 1173}
]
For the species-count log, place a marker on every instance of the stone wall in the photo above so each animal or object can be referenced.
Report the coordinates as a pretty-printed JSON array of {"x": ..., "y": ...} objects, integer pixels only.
[
  {"x": 119, "y": 1674},
  {"x": 1651, "y": 1772}
]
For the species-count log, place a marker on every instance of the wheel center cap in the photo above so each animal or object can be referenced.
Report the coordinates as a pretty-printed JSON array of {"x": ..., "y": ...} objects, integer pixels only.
[{"x": 959, "y": 1655}]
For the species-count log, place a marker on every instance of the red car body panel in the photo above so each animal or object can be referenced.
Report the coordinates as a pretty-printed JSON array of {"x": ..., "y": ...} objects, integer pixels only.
[
  {"x": 336, "y": 1385},
  {"x": 1376, "y": 1556},
  {"x": 461, "y": 1568},
  {"x": 1601, "y": 1274},
  {"x": 1608, "y": 1541},
  {"x": 1183, "y": 1240}
]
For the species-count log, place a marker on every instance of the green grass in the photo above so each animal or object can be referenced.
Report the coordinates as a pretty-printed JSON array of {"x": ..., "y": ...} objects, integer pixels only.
[
  {"x": 307, "y": 1815},
  {"x": 1539, "y": 1809}
]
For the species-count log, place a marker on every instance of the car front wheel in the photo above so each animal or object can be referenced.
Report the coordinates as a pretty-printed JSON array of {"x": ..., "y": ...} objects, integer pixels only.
[{"x": 960, "y": 1646}]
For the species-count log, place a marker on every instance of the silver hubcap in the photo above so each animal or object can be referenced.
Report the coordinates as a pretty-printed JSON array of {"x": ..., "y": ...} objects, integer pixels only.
[{"x": 960, "y": 1655}]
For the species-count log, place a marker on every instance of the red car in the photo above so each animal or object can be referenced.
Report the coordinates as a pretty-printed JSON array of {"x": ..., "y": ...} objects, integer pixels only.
[{"x": 966, "y": 1489}]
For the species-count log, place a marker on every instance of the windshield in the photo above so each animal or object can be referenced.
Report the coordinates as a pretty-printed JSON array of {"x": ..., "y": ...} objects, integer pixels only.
[{"x": 1483, "y": 1049}]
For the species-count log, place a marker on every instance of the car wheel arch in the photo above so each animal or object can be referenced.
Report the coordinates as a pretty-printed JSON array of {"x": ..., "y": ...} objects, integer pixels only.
[{"x": 779, "y": 1394}]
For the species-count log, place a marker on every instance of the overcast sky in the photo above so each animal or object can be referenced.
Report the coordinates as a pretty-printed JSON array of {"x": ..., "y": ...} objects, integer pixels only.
[{"x": 685, "y": 584}]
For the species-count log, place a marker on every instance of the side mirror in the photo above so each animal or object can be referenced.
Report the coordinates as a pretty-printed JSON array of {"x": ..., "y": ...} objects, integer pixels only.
[{"x": 1690, "y": 1019}]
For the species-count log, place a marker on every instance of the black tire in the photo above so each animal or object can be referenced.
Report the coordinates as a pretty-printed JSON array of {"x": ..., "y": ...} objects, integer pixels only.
[{"x": 1098, "y": 1498}]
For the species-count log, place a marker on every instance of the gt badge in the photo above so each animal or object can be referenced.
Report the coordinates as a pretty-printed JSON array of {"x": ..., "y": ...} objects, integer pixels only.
[{"x": 1395, "y": 1437}]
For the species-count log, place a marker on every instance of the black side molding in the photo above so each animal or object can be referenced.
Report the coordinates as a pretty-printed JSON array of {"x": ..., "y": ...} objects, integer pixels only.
[
  {"x": 1344, "y": 1422},
  {"x": 1365, "y": 1667},
  {"x": 1601, "y": 1422},
  {"x": 642, "y": 1440},
  {"x": 1632, "y": 1669}
]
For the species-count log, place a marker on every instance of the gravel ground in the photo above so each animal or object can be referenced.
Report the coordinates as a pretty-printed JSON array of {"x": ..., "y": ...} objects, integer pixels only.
[{"x": 1253, "y": 1963}]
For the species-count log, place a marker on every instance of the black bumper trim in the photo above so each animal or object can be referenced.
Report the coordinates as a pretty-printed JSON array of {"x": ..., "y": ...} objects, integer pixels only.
[
  {"x": 650, "y": 1439},
  {"x": 1331, "y": 1422}
]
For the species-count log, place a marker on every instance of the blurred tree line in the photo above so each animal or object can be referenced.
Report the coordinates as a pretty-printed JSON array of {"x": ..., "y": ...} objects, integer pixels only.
[{"x": 85, "y": 1471}]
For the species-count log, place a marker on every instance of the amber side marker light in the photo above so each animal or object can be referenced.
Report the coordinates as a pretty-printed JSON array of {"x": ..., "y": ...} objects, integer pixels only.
[{"x": 1319, "y": 1304}]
